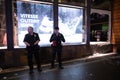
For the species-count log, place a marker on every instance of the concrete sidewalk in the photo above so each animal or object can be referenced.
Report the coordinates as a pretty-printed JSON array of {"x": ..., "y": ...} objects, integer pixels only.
[{"x": 101, "y": 68}]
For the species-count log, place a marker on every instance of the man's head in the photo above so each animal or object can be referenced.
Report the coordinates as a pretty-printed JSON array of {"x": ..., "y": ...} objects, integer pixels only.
[
  {"x": 56, "y": 30},
  {"x": 30, "y": 29}
]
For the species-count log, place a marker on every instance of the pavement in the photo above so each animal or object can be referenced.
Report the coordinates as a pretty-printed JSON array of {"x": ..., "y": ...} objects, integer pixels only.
[{"x": 98, "y": 68}]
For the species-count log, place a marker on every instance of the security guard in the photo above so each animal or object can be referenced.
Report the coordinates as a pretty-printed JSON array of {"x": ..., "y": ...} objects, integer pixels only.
[
  {"x": 31, "y": 41},
  {"x": 56, "y": 40}
]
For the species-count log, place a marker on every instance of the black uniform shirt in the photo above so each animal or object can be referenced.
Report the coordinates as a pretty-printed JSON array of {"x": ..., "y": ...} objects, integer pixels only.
[
  {"x": 31, "y": 39},
  {"x": 58, "y": 39}
]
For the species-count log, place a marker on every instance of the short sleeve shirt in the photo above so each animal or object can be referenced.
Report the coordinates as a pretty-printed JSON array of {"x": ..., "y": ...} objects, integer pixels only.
[{"x": 31, "y": 39}]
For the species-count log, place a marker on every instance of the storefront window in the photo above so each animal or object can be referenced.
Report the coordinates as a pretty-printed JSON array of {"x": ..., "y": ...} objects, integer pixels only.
[
  {"x": 3, "y": 40},
  {"x": 45, "y": 0},
  {"x": 71, "y": 24},
  {"x": 99, "y": 27},
  {"x": 100, "y": 17},
  {"x": 35, "y": 14},
  {"x": 71, "y": 17},
  {"x": 73, "y": 2}
]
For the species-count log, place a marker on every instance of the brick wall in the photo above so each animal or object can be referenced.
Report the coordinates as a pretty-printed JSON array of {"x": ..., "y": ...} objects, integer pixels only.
[
  {"x": 116, "y": 25},
  {"x": 116, "y": 22}
]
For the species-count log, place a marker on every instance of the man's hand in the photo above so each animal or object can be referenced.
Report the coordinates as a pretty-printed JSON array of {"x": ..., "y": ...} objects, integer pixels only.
[
  {"x": 27, "y": 44},
  {"x": 36, "y": 42}
]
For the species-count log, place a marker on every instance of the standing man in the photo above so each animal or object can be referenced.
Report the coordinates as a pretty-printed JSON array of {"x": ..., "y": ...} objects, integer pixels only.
[
  {"x": 56, "y": 40},
  {"x": 31, "y": 41}
]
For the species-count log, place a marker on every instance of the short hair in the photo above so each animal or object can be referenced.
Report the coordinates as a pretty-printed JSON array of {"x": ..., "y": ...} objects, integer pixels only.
[{"x": 30, "y": 27}]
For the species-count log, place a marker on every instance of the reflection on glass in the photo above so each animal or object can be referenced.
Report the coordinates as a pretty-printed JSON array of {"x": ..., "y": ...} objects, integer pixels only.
[
  {"x": 71, "y": 24},
  {"x": 3, "y": 40},
  {"x": 73, "y": 2},
  {"x": 45, "y": 0},
  {"x": 39, "y": 16},
  {"x": 99, "y": 27}
]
